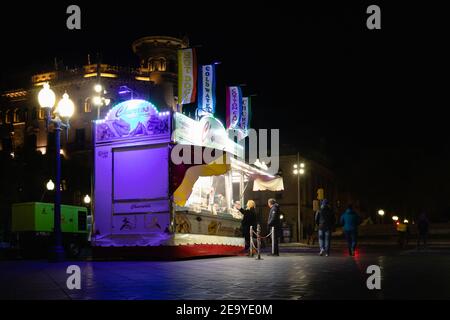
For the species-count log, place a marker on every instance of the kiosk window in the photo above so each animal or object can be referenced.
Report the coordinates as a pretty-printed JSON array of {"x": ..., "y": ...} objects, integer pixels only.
[{"x": 141, "y": 173}]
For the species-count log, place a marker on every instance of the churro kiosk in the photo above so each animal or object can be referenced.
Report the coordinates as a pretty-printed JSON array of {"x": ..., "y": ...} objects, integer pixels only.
[{"x": 166, "y": 185}]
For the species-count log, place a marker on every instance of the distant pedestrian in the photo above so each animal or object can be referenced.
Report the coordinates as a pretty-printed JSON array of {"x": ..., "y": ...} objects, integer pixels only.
[
  {"x": 311, "y": 233},
  {"x": 402, "y": 230},
  {"x": 423, "y": 226},
  {"x": 350, "y": 221},
  {"x": 274, "y": 221},
  {"x": 325, "y": 220},
  {"x": 249, "y": 219}
]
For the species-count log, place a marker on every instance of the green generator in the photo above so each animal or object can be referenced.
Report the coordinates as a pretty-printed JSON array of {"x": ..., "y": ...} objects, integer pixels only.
[{"x": 33, "y": 222}]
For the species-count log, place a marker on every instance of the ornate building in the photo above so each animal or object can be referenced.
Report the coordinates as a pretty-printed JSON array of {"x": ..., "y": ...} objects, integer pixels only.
[{"x": 22, "y": 123}]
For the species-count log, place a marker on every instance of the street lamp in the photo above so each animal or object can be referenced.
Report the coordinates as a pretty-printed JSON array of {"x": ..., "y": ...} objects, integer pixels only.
[
  {"x": 64, "y": 110},
  {"x": 98, "y": 88},
  {"x": 395, "y": 218},
  {"x": 381, "y": 214},
  {"x": 99, "y": 100},
  {"x": 298, "y": 171},
  {"x": 87, "y": 199},
  {"x": 50, "y": 185}
]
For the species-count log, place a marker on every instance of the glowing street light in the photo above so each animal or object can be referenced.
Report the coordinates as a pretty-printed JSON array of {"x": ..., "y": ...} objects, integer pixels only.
[
  {"x": 405, "y": 221},
  {"x": 50, "y": 185},
  {"x": 381, "y": 213},
  {"x": 87, "y": 199},
  {"x": 65, "y": 107},
  {"x": 395, "y": 218},
  {"x": 46, "y": 97},
  {"x": 98, "y": 88},
  {"x": 97, "y": 100}
]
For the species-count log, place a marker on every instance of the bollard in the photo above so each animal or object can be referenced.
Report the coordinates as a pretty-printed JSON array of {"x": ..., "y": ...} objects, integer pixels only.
[
  {"x": 273, "y": 240},
  {"x": 258, "y": 239},
  {"x": 250, "y": 254}
]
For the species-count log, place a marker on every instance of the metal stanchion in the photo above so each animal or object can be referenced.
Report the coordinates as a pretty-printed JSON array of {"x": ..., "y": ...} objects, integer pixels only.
[
  {"x": 258, "y": 237},
  {"x": 250, "y": 254},
  {"x": 273, "y": 240}
]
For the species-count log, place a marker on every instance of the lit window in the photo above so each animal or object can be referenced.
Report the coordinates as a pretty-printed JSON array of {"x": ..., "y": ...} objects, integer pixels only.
[
  {"x": 87, "y": 106},
  {"x": 162, "y": 64},
  {"x": 16, "y": 115},
  {"x": 41, "y": 114},
  {"x": 8, "y": 117}
]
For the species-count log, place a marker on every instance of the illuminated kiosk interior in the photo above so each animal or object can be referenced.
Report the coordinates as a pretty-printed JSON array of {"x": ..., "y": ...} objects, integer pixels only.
[{"x": 145, "y": 204}]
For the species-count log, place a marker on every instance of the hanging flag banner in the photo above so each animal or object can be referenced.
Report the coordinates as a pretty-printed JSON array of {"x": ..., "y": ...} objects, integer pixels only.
[
  {"x": 207, "y": 89},
  {"x": 234, "y": 107},
  {"x": 245, "y": 115},
  {"x": 187, "y": 76}
]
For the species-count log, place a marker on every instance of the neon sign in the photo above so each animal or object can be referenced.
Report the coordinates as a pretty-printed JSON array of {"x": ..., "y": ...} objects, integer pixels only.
[{"x": 132, "y": 118}]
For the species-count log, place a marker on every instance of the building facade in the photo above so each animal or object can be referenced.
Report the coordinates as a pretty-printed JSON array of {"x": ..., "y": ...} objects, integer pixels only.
[{"x": 22, "y": 122}]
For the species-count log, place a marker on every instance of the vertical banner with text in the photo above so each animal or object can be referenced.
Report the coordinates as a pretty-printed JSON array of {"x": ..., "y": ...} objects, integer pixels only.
[
  {"x": 187, "y": 76},
  {"x": 245, "y": 115},
  {"x": 234, "y": 107},
  {"x": 207, "y": 90}
]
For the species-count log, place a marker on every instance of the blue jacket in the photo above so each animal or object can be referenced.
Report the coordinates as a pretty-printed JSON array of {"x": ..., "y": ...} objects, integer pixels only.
[{"x": 350, "y": 220}]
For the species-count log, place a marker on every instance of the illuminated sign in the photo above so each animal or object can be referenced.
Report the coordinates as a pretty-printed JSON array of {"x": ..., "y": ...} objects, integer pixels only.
[
  {"x": 208, "y": 132},
  {"x": 130, "y": 119}
]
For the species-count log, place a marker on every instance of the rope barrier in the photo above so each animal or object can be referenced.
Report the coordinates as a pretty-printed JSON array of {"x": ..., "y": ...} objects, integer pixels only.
[{"x": 258, "y": 241}]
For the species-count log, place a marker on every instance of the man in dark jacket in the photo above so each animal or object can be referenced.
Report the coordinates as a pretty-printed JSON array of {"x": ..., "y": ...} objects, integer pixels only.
[
  {"x": 350, "y": 221},
  {"x": 274, "y": 221},
  {"x": 325, "y": 220}
]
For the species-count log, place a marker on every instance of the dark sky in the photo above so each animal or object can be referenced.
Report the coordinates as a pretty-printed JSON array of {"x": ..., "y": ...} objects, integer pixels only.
[{"x": 372, "y": 101}]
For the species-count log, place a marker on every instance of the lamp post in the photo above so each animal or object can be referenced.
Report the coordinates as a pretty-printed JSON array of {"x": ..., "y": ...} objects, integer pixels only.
[
  {"x": 63, "y": 112},
  {"x": 299, "y": 169},
  {"x": 99, "y": 100}
]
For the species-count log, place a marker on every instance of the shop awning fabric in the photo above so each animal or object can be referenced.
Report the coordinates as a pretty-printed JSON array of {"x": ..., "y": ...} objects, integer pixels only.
[
  {"x": 262, "y": 180},
  {"x": 184, "y": 176},
  {"x": 263, "y": 184}
]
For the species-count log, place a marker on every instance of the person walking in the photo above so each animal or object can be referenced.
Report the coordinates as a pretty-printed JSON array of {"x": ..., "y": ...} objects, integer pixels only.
[
  {"x": 310, "y": 234},
  {"x": 249, "y": 219},
  {"x": 423, "y": 226},
  {"x": 402, "y": 229},
  {"x": 350, "y": 221},
  {"x": 274, "y": 221},
  {"x": 325, "y": 220}
]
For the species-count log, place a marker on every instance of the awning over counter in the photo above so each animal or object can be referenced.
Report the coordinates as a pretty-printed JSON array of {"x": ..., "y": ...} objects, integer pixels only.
[{"x": 262, "y": 180}]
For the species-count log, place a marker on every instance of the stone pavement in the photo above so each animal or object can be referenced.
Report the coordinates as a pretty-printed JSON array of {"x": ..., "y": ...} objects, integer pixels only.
[{"x": 297, "y": 274}]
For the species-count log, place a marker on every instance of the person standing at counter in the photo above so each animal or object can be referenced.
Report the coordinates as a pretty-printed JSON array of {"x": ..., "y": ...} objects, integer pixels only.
[{"x": 248, "y": 220}]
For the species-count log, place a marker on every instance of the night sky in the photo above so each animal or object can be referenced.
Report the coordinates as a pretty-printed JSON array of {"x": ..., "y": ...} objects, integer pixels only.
[{"x": 373, "y": 102}]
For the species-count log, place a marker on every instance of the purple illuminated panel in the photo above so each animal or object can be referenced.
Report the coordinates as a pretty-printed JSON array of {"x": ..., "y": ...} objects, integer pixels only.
[{"x": 141, "y": 173}]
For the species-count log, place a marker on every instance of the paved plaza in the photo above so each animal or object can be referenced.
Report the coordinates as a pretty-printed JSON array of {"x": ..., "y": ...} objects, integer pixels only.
[{"x": 299, "y": 273}]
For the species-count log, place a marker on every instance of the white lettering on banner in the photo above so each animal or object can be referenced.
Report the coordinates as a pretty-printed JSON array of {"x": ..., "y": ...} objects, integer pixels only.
[
  {"x": 207, "y": 100},
  {"x": 244, "y": 114},
  {"x": 234, "y": 106},
  {"x": 187, "y": 76}
]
